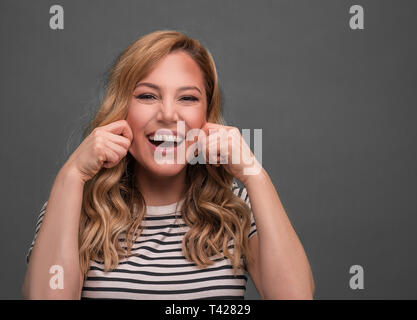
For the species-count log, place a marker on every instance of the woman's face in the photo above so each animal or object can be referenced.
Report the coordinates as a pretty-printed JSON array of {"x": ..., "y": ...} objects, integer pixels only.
[{"x": 174, "y": 91}]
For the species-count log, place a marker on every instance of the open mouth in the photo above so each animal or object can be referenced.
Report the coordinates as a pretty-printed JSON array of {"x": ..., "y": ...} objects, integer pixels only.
[{"x": 170, "y": 141}]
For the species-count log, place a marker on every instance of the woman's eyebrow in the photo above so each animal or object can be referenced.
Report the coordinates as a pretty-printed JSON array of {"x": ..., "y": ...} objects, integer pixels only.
[
  {"x": 154, "y": 86},
  {"x": 147, "y": 84},
  {"x": 188, "y": 88}
]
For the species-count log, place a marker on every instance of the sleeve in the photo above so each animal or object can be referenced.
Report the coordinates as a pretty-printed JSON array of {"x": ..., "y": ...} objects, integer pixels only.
[
  {"x": 242, "y": 193},
  {"x": 37, "y": 227}
]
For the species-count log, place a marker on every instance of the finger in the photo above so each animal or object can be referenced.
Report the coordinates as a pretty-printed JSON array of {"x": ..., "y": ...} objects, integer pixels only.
[
  {"x": 120, "y": 151},
  {"x": 120, "y": 140},
  {"x": 220, "y": 157},
  {"x": 217, "y": 164},
  {"x": 214, "y": 126},
  {"x": 220, "y": 140},
  {"x": 213, "y": 148},
  {"x": 209, "y": 125},
  {"x": 201, "y": 149},
  {"x": 120, "y": 127},
  {"x": 112, "y": 158}
]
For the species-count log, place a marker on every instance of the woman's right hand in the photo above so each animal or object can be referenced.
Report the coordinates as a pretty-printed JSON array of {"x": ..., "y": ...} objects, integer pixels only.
[{"x": 104, "y": 147}]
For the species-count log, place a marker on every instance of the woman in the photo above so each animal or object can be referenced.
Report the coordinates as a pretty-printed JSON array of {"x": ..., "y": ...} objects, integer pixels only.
[{"x": 120, "y": 224}]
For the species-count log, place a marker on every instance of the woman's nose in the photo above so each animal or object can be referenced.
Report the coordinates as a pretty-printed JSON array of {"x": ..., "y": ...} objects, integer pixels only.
[{"x": 168, "y": 111}]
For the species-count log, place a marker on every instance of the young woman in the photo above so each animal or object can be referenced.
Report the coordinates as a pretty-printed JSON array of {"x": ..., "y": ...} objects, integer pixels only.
[{"x": 120, "y": 224}]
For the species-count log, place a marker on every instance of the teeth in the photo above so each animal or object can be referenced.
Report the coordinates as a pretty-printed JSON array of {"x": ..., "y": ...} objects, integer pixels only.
[{"x": 164, "y": 137}]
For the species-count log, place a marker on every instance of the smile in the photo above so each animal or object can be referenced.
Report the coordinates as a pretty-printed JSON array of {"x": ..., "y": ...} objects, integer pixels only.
[{"x": 170, "y": 142}]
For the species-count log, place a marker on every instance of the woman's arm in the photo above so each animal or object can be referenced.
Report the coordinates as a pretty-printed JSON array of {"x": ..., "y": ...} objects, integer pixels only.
[
  {"x": 280, "y": 269},
  {"x": 57, "y": 242}
]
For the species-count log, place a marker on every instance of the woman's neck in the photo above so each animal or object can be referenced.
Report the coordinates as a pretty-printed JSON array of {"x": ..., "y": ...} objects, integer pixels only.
[{"x": 159, "y": 191}]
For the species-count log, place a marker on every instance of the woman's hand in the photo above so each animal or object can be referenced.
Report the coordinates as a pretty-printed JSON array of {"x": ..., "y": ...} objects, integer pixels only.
[
  {"x": 232, "y": 151},
  {"x": 104, "y": 147}
]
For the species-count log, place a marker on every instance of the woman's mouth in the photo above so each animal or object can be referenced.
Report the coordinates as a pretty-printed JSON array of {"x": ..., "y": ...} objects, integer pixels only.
[{"x": 170, "y": 142}]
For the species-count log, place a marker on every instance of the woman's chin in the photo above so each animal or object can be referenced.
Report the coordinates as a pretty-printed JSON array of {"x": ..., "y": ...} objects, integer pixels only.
[{"x": 166, "y": 170}]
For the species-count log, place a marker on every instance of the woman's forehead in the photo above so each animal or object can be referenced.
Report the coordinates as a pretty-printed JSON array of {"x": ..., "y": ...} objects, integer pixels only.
[{"x": 176, "y": 70}]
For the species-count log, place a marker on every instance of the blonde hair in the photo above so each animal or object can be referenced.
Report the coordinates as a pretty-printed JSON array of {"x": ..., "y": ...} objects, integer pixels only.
[{"x": 113, "y": 205}]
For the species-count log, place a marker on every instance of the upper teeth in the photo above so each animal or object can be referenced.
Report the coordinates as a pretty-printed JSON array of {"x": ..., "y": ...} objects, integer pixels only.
[{"x": 164, "y": 137}]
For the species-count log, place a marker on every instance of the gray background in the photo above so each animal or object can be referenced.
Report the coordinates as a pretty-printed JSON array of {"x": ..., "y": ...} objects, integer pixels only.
[{"x": 337, "y": 108}]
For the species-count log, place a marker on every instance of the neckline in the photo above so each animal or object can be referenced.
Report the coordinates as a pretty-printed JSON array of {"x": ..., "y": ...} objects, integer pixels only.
[{"x": 165, "y": 209}]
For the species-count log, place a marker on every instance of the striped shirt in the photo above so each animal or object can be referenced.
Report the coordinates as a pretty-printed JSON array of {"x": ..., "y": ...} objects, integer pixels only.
[{"x": 157, "y": 268}]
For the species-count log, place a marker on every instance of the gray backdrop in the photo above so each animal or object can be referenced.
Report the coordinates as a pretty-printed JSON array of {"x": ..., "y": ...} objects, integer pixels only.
[{"x": 337, "y": 108}]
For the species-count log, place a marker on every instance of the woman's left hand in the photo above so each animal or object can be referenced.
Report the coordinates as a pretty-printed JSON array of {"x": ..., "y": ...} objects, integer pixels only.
[{"x": 231, "y": 151}]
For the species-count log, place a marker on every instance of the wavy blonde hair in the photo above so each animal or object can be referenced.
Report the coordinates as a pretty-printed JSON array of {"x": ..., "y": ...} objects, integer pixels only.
[{"x": 112, "y": 204}]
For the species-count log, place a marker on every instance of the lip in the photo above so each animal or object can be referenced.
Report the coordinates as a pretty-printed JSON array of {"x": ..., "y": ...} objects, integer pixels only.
[
  {"x": 165, "y": 150},
  {"x": 166, "y": 132}
]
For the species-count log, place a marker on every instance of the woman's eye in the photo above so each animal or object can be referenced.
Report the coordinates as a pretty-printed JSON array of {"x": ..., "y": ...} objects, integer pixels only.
[
  {"x": 145, "y": 96},
  {"x": 189, "y": 98}
]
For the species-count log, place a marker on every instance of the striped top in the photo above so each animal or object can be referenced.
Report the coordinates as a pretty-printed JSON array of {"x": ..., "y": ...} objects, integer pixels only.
[{"x": 157, "y": 268}]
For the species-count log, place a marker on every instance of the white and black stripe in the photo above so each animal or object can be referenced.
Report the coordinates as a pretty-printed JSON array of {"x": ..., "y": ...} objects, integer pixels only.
[{"x": 157, "y": 269}]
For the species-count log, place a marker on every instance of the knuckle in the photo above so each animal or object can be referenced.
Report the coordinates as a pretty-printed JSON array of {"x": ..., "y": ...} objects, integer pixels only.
[
  {"x": 118, "y": 157},
  {"x": 127, "y": 142},
  {"x": 96, "y": 132},
  {"x": 98, "y": 147},
  {"x": 99, "y": 141}
]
